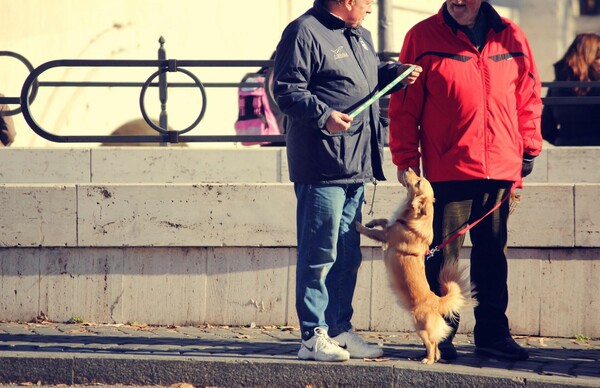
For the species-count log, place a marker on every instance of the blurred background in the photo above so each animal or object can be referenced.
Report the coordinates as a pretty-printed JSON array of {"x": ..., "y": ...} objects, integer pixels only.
[{"x": 42, "y": 31}]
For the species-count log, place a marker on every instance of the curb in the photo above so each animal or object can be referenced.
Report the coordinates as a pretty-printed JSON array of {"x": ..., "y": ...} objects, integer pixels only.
[{"x": 83, "y": 369}]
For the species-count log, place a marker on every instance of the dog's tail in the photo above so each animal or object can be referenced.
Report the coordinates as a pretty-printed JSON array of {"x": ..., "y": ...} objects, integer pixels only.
[{"x": 456, "y": 290}]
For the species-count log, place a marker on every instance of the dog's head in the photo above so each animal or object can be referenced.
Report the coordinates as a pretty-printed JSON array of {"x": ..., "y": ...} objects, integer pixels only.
[{"x": 419, "y": 193}]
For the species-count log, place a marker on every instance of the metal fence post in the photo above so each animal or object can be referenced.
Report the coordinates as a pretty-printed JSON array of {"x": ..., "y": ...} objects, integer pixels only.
[{"x": 162, "y": 87}]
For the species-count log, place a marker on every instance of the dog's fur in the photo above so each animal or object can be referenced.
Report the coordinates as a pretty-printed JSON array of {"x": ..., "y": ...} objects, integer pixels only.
[{"x": 407, "y": 237}]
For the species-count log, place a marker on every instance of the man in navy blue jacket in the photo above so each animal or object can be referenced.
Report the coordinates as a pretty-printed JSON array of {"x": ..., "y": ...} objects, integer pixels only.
[{"x": 325, "y": 68}]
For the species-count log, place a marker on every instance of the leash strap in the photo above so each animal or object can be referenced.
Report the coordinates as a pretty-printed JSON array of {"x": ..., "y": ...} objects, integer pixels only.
[
  {"x": 467, "y": 227},
  {"x": 383, "y": 91},
  {"x": 373, "y": 198}
]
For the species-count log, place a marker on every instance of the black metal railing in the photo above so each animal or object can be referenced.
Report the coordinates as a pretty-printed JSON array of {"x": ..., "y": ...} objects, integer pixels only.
[
  {"x": 573, "y": 100},
  {"x": 165, "y": 66},
  {"x": 589, "y": 7}
]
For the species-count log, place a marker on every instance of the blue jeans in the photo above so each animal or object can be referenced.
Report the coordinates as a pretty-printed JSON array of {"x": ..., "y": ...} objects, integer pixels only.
[{"x": 328, "y": 255}]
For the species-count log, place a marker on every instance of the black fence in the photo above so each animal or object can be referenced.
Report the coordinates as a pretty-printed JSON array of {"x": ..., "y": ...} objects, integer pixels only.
[
  {"x": 158, "y": 79},
  {"x": 589, "y": 7}
]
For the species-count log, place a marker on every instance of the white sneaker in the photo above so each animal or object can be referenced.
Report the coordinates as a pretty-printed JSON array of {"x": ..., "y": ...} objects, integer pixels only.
[
  {"x": 356, "y": 346},
  {"x": 322, "y": 348}
]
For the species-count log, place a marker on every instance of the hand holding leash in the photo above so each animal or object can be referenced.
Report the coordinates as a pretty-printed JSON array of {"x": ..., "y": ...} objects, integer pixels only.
[{"x": 386, "y": 89}]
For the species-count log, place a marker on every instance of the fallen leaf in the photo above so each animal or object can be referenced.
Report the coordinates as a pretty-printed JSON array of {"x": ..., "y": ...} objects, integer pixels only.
[
  {"x": 181, "y": 385},
  {"x": 288, "y": 328},
  {"x": 78, "y": 331}
]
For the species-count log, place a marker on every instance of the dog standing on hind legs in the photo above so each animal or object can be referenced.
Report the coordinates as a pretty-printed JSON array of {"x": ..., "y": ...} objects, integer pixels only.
[{"x": 406, "y": 238}]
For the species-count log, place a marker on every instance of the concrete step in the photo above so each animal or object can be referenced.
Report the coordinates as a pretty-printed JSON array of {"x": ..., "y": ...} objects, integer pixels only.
[
  {"x": 224, "y": 253},
  {"x": 252, "y": 214},
  {"x": 232, "y": 165},
  {"x": 266, "y": 357}
]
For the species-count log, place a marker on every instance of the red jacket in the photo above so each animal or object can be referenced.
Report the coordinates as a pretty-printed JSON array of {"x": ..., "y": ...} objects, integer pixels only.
[{"x": 473, "y": 114}]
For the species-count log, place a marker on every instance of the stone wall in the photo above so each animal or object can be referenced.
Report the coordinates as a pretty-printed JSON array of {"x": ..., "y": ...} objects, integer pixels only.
[{"x": 150, "y": 235}]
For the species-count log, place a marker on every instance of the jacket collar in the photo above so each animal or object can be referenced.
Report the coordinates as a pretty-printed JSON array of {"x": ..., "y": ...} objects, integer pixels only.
[
  {"x": 331, "y": 21},
  {"x": 487, "y": 11}
]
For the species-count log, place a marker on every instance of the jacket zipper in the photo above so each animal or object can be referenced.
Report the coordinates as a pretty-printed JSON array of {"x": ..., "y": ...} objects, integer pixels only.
[{"x": 485, "y": 112}]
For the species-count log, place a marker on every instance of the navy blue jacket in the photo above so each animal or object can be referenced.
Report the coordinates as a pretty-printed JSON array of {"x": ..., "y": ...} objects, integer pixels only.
[{"x": 320, "y": 66}]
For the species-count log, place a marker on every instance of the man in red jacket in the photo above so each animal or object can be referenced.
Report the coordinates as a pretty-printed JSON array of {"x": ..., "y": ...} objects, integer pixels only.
[{"x": 472, "y": 120}]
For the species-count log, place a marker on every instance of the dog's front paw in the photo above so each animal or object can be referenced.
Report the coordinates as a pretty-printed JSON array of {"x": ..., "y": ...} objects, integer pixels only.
[
  {"x": 378, "y": 222},
  {"x": 359, "y": 227}
]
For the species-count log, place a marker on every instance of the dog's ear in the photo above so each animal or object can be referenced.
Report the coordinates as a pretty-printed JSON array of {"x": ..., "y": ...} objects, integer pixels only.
[{"x": 419, "y": 205}]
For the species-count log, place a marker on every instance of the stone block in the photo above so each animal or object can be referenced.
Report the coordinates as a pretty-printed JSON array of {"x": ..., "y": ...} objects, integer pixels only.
[
  {"x": 19, "y": 279},
  {"x": 284, "y": 169},
  {"x": 184, "y": 165},
  {"x": 187, "y": 215},
  {"x": 587, "y": 215},
  {"x": 38, "y": 215},
  {"x": 291, "y": 314},
  {"x": 45, "y": 165},
  {"x": 542, "y": 217},
  {"x": 524, "y": 285},
  {"x": 574, "y": 164},
  {"x": 164, "y": 286},
  {"x": 540, "y": 169},
  {"x": 246, "y": 285},
  {"x": 569, "y": 289},
  {"x": 82, "y": 284}
]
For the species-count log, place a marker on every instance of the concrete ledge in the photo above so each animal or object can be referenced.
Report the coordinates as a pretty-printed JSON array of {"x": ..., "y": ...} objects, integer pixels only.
[
  {"x": 186, "y": 215},
  {"x": 141, "y": 165},
  {"x": 251, "y": 164},
  {"x": 45, "y": 165},
  {"x": 122, "y": 215},
  {"x": 242, "y": 286},
  {"x": 225, "y": 253}
]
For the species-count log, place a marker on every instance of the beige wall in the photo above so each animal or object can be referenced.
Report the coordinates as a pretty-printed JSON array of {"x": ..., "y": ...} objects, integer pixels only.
[
  {"x": 150, "y": 235},
  {"x": 237, "y": 29}
]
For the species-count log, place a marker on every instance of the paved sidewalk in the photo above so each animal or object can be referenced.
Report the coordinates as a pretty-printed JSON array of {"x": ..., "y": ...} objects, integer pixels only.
[{"x": 54, "y": 353}]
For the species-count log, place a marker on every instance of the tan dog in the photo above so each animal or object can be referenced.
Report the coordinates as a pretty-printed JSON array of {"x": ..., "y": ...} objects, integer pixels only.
[{"x": 407, "y": 237}]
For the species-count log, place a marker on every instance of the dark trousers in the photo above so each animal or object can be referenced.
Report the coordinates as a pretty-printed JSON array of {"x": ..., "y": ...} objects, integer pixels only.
[{"x": 456, "y": 205}]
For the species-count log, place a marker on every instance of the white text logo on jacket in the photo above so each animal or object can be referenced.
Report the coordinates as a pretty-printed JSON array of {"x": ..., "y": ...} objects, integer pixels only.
[
  {"x": 339, "y": 53},
  {"x": 363, "y": 43}
]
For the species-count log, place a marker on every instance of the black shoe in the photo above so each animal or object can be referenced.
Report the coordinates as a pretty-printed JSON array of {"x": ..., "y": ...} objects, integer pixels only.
[
  {"x": 447, "y": 350},
  {"x": 505, "y": 348}
]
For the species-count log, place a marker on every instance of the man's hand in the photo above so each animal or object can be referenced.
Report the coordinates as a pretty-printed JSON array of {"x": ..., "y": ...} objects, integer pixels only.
[
  {"x": 338, "y": 122},
  {"x": 401, "y": 174},
  {"x": 527, "y": 166},
  {"x": 412, "y": 77}
]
